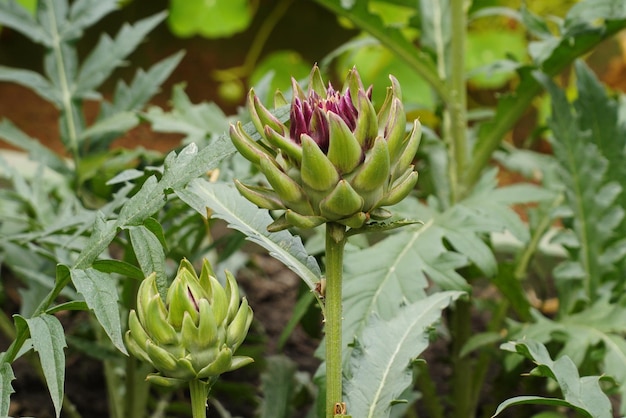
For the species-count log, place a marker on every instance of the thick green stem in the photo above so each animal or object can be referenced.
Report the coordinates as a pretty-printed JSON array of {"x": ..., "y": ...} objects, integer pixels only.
[
  {"x": 457, "y": 141},
  {"x": 457, "y": 107},
  {"x": 199, "y": 391},
  {"x": 335, "y": 242}
]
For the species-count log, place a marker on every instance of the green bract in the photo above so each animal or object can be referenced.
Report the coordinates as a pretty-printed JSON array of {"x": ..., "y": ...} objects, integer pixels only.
[
  {"x": 194, "y": 333},
  {"x": 336, "y": 160}
]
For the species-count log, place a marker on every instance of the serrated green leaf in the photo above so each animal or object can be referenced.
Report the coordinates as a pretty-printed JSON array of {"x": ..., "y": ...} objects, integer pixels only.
[
  {"x": 511, "y": 106},
  {"x": 31, "y": 80},
  {"x": 101, "y": 236},
  {"x": 16, "y": 16},
  {"x": 100, "y": 292},
  {"x": 144, "y": 85},
  {"x": 537, "y": 400},
  {"x": 150, "y": 255},
  {"x": 226, "y": 203},
  {"x": 599, "y": 114},
  {"x": 84, "y": 13},
  {"x": 196, "y": 121},
  {"x": 602, "y": 323},
  {"x": 110, "y": 53},
  {"x": 396, "y": 268},
  {"x": 48, "y": 338},
  {"x": 6, "y": 389},
  {"x": 16, "y": 137},
  {"x": 179, "y": 169},
  {"x": 582, "y": 394},
  {"x": 380, "y": 363},
  {"x": 278, "y": 385},
  {"x": 119, "y": 122},
  {"x": 377, "y": 279},
  {"x": 582, "y": 170}
]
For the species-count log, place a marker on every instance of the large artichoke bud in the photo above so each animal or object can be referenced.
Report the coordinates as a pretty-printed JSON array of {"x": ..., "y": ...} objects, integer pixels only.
[
  {"x": 336, "y": 160},
  {"x": 194, "y": 333}
]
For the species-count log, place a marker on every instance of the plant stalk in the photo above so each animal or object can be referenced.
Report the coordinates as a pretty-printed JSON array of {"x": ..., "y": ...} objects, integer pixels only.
[
  {"x": 457, "y": 107},
  {"x": 335, "y": 243},
  {"x": 199, "y": 392},
  {"x": 457, "y": 140}
]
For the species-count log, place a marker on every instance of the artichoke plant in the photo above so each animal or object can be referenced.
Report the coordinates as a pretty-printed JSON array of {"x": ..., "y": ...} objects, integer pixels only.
[
  {"x": 193, "y": 334},
  {"x": 335, "y": 160}
]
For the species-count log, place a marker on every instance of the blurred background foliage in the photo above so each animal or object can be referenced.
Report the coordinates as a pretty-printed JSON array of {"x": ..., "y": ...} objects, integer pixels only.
[{"x": 232, "y": 45}]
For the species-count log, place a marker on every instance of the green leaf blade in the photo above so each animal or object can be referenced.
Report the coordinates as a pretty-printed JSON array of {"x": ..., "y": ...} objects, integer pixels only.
[
  {"x": 48, "y": 338},
  {"x": 110, "y": 53},
  {"x": 226, "y": 203},
  {"x": 582, "y": 394},
  {"x": 33, "y": 81},
  {"x": 100, "y": 292},
  {"x": 150, "y": 254},
  {"x": 16, "y": 137},
  {"x": 6, "y": 389},
  {"x": 15, "y": 16},
  {"x": 84, "y": 13},
  {"x": 380, "y": 363}
]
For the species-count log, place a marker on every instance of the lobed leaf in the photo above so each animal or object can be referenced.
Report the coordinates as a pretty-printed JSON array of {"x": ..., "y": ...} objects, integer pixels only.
[
  {"x": 33, "y": 81},
  {"x": 16, "y": 16},
  {"x": 582, "y": 394},
  {"x": 48, "y": 339},
  {"x": 178, "y": 171},
  {"x": 591, "y": 196},
  {"x": 6, "y": 389},
  {"x": 110, "y": 53},
  {"x": 599, "y": 114},
  {"x": 579, "y": 36},
  {"x": 100, "y": 292},
  {"x": 225, "y": 202},
  {"x": 84, "y": 13},
  {"x": 143, "y": 87},
  {"x": 396, "y": 270},
  {"x": 116, "y": 123},
  {"x": 195, "y": 121},
  {"x": 600, "y": 326},
  {"x": 380, "y": 363},
  {"x": 16, "y": 137},
  {"x": 150, "y": 255}
]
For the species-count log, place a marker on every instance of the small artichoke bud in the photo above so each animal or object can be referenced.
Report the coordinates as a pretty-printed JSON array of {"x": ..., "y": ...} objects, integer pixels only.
[
  {"x": 194, "y": 333},
  {"x": 336, "y": 159}
]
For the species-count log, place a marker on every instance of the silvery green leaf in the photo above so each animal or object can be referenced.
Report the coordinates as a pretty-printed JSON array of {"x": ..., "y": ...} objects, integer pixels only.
[
  {"x": 380, "y": 364},
  {"x": 226, "y": 203},
  {"x": 48, "y": 338},
  {"x": 100, "y": 292}
]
